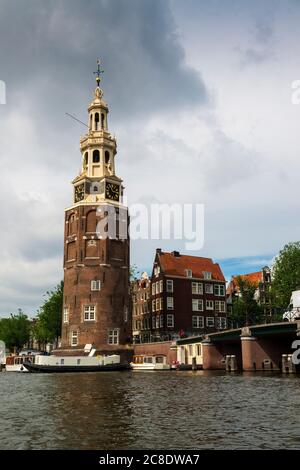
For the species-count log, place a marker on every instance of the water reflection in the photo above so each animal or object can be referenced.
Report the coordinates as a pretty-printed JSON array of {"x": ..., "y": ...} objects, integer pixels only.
[{"x": 128, "y": 410}]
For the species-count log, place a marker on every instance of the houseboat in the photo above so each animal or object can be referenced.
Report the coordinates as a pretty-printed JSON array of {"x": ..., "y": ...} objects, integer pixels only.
[
  {"x": 16, "y": 363},
  {"x": 149, "y": 362},
  {"x": 50, "y": 364}
]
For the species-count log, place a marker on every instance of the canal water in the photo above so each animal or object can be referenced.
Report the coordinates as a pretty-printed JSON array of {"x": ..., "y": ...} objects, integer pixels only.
[{"x": 149, "y": 410}]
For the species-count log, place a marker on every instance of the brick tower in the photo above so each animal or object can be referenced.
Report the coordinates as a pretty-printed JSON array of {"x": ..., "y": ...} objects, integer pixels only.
[{"x": 96, "y": 266}]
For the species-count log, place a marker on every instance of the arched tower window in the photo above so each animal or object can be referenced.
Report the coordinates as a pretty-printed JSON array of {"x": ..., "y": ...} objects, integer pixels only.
[
  {"x": 107, "y": 156},
  {"x": 91, "y": 121},
  {"x": 96, "y": 121},
  {"x": 102, "y": 121},
  {"x": 86, "y": 159},
  {"x": 96, "y": 156}
]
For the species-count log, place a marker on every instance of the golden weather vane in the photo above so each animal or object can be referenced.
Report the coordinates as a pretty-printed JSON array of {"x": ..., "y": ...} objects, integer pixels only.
[{"x": 98, "y": 72}]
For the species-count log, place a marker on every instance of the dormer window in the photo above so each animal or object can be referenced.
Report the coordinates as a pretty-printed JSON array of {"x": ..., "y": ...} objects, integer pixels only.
[
  {"x": 189, "y": 273},
  {"x": 207, "y": 275}
]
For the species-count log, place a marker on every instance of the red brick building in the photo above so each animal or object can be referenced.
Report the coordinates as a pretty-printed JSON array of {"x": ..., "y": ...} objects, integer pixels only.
[
  {"x": 187, "y": 296},
  {"x": 141, "y": 316},
  {"x": 96, "y": 267}
]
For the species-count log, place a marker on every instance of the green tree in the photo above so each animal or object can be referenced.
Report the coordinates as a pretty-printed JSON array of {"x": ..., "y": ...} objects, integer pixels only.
[
  {"x": 133, "y": 272},
  {"x": 245, "y": 309},
  {"x": 48, "y": 325},
  {"x": 286, "y": 274},
  {"x": 15, "y": 330}
]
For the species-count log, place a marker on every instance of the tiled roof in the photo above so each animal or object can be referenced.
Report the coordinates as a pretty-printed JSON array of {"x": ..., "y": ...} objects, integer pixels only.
[
  {"x": 176, "y": 266},
  {"x": 254, "y": 278}
]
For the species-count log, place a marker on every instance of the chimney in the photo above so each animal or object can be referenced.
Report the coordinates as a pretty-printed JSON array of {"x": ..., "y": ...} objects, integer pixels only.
[
  {"x": 158, "y": 251},
  {"x": 176, "y": 254}
]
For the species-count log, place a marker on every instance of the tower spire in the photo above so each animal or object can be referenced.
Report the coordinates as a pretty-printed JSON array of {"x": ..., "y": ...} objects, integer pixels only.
[{"x": 98, "y": 73}]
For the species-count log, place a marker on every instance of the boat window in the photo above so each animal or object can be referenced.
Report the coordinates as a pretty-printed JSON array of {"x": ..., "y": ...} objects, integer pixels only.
[
  {"x": 148, "y": 360},
  {"x": 78, "y": 362},
  {"x": 62, "y": 361},
  {"x": 159, "y": 360}
]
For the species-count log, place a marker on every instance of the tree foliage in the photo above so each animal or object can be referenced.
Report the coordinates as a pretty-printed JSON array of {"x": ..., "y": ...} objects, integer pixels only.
[
  {"x": 15, "y": 330},
  {"x": 245, "y": 309},
  {"x": 48, "y": 325},
  {"x": 286, "y": 274}
]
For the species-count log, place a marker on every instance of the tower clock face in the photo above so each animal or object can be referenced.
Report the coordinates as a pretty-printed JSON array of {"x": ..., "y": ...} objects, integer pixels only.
[
  {"x": 79, "y": 192},
  {"x": 112, "y": 191}
]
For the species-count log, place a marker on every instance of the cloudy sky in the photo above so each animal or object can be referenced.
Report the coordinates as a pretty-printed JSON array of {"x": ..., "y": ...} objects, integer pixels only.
[{"x": 200, "y": 102}]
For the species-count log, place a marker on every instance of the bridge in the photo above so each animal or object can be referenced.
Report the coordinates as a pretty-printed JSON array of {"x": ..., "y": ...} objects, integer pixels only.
[{"x": 252, "y": 348}]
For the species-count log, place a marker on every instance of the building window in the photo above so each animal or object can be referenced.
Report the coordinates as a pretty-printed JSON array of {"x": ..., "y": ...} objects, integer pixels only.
[
  {"x": 189, "y": 273},
  {"x": 220, "y": 290},
  {"x": 199, "y": 349},
  {"x": 197, "y": 288},
  {"x": 153, "y": 305},
  {"x": 74, "y": 338},
  {"x": 207, "y": 275},
  {"x": 160, "y": 303},
  {"x": 169, "y": 285},
  {"x": 209, "y": 305},
  {"x": 197, "y": 305},
  {"x": 153, "y": 322},
  {"x": 157, "y": 287},
  {"x": 197, "y": 321},
  {"x": 157, "y": 322},
  {"x": 66, "y": 315},
  {"x": 156, "y": 271},
  {"x": 210, "y": 322},
  {"x": 170, "y": 320},
  {"x": 161, "y": 286},
  {"x": 125, "y": 314},
  {"x": 153, "y": 288},
  {"x": 170, "y": 303},
  {"x": 221, "y": 323},
  {"x": 220, "y": 306},
  {"x": 157, "y": 304},
  {"x": 113, "y": 336},
  {"x": 190, "y": 349},
  {"x": 89, "y": 312},
  {"x": 209, "y": 289},
  {"x": 161, "y": 321},
  {"x": 95, "y": 285}
]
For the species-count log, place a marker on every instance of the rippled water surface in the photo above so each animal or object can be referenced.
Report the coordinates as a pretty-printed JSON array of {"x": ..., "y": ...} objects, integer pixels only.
[{"x": 149, "y": 410}]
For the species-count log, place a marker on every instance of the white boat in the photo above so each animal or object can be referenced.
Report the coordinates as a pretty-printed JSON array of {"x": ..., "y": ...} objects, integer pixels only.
[
  {"x": 149, "y": 362},
  {"x": 59, "y": 364},
  {"x": 16, "y": 363}
]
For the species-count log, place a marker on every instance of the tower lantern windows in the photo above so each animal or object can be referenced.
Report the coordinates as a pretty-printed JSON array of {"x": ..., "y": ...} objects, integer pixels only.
[
  {"x": 96, "y": 121},
  {"x": 102, "y": 121},
  {"x": 96, "y": 156}
]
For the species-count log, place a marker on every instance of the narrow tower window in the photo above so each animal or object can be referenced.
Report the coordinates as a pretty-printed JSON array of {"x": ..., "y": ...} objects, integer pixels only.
[
  {"x": 96, "y": 156},
  {"x": 102, "y": 121},
  {"x": 96, "y": 121},
  {"x": 107, "y": 157},
  {"x": 86, "y": 159}
]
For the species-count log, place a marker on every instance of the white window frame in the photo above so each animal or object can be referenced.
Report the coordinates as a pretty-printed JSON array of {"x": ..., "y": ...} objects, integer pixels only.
[
  {"x": 218, "y": 289},
  {"x": 210, "y": 322},
  {"x": 153, "y": 288},
  {"x": 95, "y": 285},
  {"x": 221, "y": 323},
  {"x": 188, "y": 273},
  {"x": 206, "y": 275},
  {"x": 161, "y": 286},
  {"x": 170, "y": 320},
  {"x": 169, "y": 285},
  {"x": 197, "y": 288},
  {"x": 153, "y": 305},
  {"x": 66, "y": 315},
  {"x": 160, "y": 303},
  {"x": 157, "y": 304},
  {"x": 74, "y": 336},
  {"x": 157, "y": 287},
  {"x": 113, "y": 336},
  {"x": 89, "y": 312},
  {"x": 220, "y": 306},
  {"x": 209, "y": 304},
  {"x": 170, "y": 303},
  {"x": 153, "y": 322},
  {"x": 197, "y": 305},
  {"x": 209, "y": 289},
  {"x": 197, "y": 321},
  {"x": 161, "y": 321}
]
